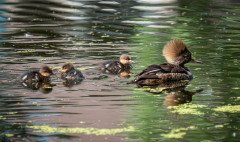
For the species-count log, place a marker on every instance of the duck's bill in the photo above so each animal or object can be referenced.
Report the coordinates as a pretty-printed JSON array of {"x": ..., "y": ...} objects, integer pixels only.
[
  {"x": 131, "y": 61},
  {"x": 196, "y": 61}
]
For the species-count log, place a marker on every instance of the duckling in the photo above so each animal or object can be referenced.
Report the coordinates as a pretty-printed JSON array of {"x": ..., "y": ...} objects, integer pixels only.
[
  {"x": 43, "y": 75},
  {"x": 69, "y": 73},
  {"x": 177, "y": 55},
  {"x": 116, "y": 67}
]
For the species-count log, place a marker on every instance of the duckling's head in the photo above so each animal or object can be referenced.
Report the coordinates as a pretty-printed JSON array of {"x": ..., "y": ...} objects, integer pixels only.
[
  {"x": 176, "y": 52},
  {"x": 67, "y": 67},
  {"x": 125, "y": 59},
  {"x": 46, "y": 71}
]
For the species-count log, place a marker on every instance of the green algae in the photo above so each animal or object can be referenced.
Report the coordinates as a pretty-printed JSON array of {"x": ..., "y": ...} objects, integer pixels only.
[
  {"x": 9, "y": 135},
  {"x": 2, "y": 117},
  {"x": 79, "y": 68},
  {"x": 26, "y": 51},
  {"x": 199, "y": 110},
  {"x": 188, "y": 108},
  {"x": 235, "y": 88},
  {"x": 12, "y": 113},
  {"x": 85, "y": 68},
  {"x": 156, "y": 90},
  {"x": 219, "y": 126},
  {"x": 178, "y": 133},
  {"x": 228, "y": 108},
  {"x": 237, "y": 99},
  {"x": 78, "y": 130}
]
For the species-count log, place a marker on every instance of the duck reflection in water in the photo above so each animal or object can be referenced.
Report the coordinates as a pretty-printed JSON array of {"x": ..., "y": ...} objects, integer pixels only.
[
  {"x": 175, "y": 92},
  {"x": 122, "y": 67},
  {"x": 179, "y": 96},
  {"x": 38, "y": 80},
  {"x": 70, "y": 75}
]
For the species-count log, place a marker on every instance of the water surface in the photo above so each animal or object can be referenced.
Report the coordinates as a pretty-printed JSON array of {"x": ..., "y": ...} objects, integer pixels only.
[{"x": 87, "y": 33}]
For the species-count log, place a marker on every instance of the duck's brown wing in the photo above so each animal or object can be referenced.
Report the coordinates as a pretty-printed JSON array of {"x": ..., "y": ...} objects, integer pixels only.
[
  {"x": 148, "y": 77},
  {"x": 161, "y": 79},
  {"x": 164, "y": 68},
  {"x": 158, "y": 74}
]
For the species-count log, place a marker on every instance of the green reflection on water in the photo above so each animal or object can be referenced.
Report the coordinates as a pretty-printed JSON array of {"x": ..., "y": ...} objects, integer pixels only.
[{"x": 209, "y": 28}]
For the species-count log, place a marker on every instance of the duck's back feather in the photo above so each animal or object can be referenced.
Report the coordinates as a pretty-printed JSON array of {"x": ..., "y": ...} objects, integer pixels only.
[{"x": 156, "y": 74}]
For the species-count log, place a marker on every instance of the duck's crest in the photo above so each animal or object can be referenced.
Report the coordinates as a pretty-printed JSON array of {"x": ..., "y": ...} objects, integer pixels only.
[{"x": 173, "y": 49}]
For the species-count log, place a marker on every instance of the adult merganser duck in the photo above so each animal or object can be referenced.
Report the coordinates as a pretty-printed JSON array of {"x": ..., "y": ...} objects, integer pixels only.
[{"x": 177, "y": 55}]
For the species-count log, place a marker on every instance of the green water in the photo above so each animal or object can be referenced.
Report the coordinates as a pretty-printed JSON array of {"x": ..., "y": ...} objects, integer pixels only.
[{"x": 106, "y": 107}]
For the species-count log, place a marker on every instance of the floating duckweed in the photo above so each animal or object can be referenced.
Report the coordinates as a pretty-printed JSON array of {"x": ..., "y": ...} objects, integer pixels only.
[
  {"x": 9, "y": 135},
  {"x": 43, "y": 59},
  {"x": 2, "y": 118},
  {"x": 82, "y": 68},
  {"x": 152, "y": 90},
  {"x": 12, "y": 113},
  {"x": 26, "y": 51},
  {"x": 219, "y": 126},
  {"x": 85, "y": 68},
  {"x": 178, "y": 133},
  {"x": 87, "y": 131},
  {"x": 188, "y": 108},
  {"x": 235, "y": 88},
  {"x": 237, "y": 99},
  {"x": 228, "y": 108},
  {"x": 56, "y": 67}
]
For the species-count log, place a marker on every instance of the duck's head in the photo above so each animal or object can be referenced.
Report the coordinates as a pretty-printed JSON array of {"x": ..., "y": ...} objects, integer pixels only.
[
  {"x": 67, "y": 67},
  {"x": 46, "y": 71},
  {"x": 176, "y": 53},
  {"x": 125, "y": 59}
]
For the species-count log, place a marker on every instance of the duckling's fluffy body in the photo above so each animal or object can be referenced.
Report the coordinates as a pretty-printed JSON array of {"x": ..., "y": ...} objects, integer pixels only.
[
  {"x": 43, "y": 75},
  {"x": 73, "y": 74},
  {"x": 68, "y": 72},
  {"x": 116, "y": 67}
]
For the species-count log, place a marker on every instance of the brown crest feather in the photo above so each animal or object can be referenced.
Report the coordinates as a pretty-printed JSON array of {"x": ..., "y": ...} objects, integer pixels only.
[{"x": 173, "y": 49}]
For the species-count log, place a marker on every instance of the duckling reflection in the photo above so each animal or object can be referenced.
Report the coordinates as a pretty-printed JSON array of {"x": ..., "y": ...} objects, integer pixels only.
[
  {"x": 70, "y": 75},
  {"x": 44, "y": 87},
  {"x": 125, "y": 74},
  {"x": 70, "y": 83},
  {"x": 122, "y": 67},
  {"x": 179, "y": 96}
]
